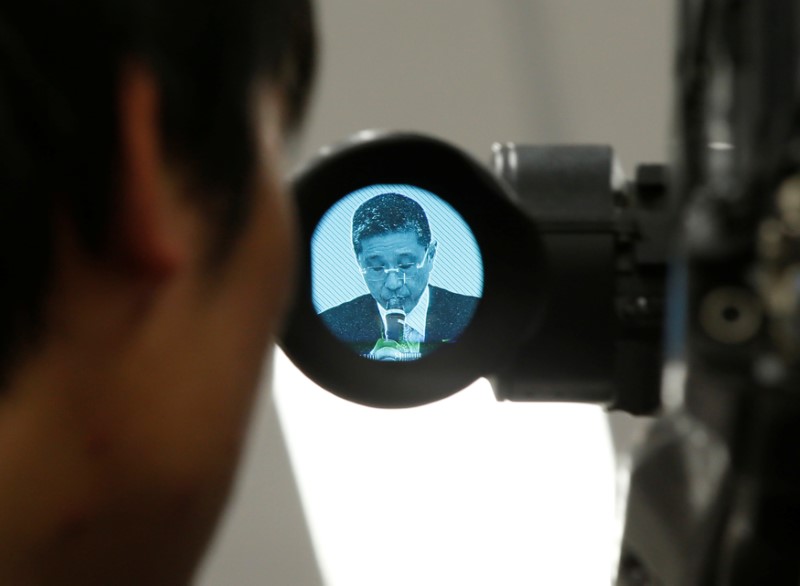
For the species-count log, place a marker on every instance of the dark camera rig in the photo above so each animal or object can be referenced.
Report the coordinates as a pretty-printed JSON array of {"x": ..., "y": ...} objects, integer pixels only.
[
  {"x": 676, "y": 294},
  {"x": 715, "y": 491}
]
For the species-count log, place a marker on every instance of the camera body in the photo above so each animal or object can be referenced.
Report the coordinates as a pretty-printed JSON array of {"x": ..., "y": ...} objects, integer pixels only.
[{"x": 570, "y": 258}]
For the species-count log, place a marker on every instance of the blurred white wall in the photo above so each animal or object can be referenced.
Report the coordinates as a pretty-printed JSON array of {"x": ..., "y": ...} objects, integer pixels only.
[{"x": 472, "y": 72}]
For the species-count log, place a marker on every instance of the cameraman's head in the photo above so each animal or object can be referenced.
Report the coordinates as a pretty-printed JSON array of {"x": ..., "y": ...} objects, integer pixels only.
[
  {"x": 145, "y": 257},
  {"x": 393, "y": 247},
  {"x": 86, "y": 85}
]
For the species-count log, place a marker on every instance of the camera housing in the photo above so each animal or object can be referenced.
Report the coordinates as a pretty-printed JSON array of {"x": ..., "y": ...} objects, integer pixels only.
[
  {"x": 573, "y": 266},
  {"x": 512, "y": 257}
]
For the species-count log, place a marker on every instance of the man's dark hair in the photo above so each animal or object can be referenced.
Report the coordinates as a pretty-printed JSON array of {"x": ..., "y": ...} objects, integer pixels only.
[
  {"x": 390, "y": 212},
  {"x": 60, "y": 68}
]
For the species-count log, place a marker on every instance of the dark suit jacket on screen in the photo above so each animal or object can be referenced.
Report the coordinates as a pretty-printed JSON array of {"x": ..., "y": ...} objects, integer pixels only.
[{"x": 358, "y": 322}]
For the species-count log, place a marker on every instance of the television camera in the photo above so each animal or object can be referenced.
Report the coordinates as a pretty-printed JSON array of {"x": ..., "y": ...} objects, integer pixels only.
[{"x": 675, "y": 293}]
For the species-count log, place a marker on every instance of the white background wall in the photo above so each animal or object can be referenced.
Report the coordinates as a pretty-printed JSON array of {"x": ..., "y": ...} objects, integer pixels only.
[{"x": 472, "y": 72}]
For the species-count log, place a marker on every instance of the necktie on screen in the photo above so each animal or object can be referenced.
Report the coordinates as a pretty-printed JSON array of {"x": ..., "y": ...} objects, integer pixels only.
[
  {"x": 413, "y": 340},
  {"x": 412, "y": 335}
]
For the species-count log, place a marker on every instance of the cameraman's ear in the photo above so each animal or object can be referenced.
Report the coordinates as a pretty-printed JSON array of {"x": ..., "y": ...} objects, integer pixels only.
[
  {"x": 432, "y": 249},
  {"x": 148, "y": 239}
]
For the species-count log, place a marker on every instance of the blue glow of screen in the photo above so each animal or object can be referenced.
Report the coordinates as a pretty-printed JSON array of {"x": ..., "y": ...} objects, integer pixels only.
[{"x": 335, "y": 274}]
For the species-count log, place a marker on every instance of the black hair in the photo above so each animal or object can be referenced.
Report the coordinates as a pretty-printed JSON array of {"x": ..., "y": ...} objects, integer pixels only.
[
  {"x": 390, "y": 212},
  {"x": 60, "y": 67}
]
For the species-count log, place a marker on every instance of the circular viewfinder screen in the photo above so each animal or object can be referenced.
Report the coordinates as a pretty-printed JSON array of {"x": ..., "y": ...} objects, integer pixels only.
[{"x": 396, "y": 272}]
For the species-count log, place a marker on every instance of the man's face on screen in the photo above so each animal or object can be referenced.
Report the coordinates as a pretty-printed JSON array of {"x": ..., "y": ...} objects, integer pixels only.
[{"x": 396, "y": 268}]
